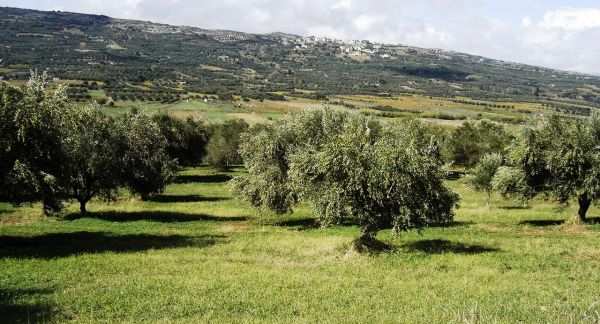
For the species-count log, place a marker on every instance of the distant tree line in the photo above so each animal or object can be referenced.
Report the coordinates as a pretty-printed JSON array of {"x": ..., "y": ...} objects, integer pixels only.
[{"x": 482, "y": 104}]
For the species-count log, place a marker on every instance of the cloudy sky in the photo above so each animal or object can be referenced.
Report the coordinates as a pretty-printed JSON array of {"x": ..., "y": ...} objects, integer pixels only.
[{"x": 554, "y": 33}]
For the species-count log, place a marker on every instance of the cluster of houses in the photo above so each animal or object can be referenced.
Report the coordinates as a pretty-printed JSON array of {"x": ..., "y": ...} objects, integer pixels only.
[{"x": 346, "y": 47}]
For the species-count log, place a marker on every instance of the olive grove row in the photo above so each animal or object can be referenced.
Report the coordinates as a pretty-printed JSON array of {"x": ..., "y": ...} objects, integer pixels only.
[{"x": 347, "y": 165}]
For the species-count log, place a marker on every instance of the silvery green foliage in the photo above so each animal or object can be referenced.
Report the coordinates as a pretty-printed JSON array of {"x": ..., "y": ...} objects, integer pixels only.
[
  {"x": 347, "y": 164},
  {"x": 511, "y": 183},
  {"x": 186, "y": 139},
  {"x": 481, "y": 176},
  {"x": 92, "y": 155},
  {"x": 265, "y": 151},
  {"x": 561, "y": 156},
  {"x": 52, "y": 151},
  {"x": 146, "y": 166},
  {"x": 31, "y": 155},
  {"x": 468, "y": 143},
  {"x": 222, "y": 150}
]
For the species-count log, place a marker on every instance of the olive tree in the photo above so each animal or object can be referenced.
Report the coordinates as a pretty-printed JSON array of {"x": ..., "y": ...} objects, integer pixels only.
[
  {"x": 32, "y": 161},
  {"x": 347, "y": 165},
  {"x": 561, "y": 157},
  {"x": 52, "y": 151},
  {"x": 223, "y": 145},
  {"x": 511, "y": 183},
  {"x": 468, "y": 143},
  {"x": 480, "y": 178},
  {"x": 146, "y": 168},
  {"x": 92, "y": 150},
  {"x": 186, "y": 139}
]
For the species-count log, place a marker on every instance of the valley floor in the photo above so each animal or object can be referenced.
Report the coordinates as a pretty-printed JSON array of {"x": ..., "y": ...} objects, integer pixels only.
[{"x": 197, "y": 254}]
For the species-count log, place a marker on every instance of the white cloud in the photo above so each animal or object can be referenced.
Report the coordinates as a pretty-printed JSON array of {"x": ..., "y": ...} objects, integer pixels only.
[
  {"x": 343, "y": 4},
  {"x": 364, "y": 22},
  {"x": 328, "y": 31},
  {"x": 571, "y": 19},
  {"x": 259, "y": 16},
  {"x": 526, "y": 22}
]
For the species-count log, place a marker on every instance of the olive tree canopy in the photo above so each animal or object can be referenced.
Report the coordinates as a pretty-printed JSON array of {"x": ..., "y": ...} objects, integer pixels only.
[
  {"x": 53, "y": 151},
  {"x": 481, "y": 177},
  {"x": 92, "y": 155},
  {"x": 561, "y": 157},
  {"x": 347, "y": 165},
  {"x": 468, "y": 143},
  {"x": 146, "y": 166},
  {"x": 32, "y": 159}
]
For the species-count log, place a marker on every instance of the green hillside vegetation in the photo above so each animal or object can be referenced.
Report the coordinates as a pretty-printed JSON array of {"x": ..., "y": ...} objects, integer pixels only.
[{"x": 111, "y": 59}]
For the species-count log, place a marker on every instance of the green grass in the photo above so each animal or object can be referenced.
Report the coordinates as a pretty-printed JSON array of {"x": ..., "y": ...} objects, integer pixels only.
[
  {"x": 126, "y": 106},
  {"x": 97, "y": 94},
  {"x": 182, "y": 109},
  {"x": 437, "y": 110},
  {"x": 192, "y": 105},
  {"x": 216, "y": 116},
  {"x": 273, "y": 116},
  {"x": 211, "y": 113},
  {"x": 195, "y": 254}
]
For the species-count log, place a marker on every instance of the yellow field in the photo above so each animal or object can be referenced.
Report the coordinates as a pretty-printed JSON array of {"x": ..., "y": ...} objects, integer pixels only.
[
  {"x": 211, "y": 67},
  {"x": 419, "y": 102},
  {"x": 442, "y": 111},
  {"x": 250, "y": 118},
  {"x": 115, "y": 46},
  {"x": 414, "y": 105}
]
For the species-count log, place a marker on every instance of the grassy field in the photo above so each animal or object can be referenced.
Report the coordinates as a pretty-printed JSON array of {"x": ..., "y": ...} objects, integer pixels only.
[
  {"x": 442, "y": 111},
  {"x": 253, "y": 112},
  {"x": 425, "y": 107},
  {"x": 196, "y": 254}
]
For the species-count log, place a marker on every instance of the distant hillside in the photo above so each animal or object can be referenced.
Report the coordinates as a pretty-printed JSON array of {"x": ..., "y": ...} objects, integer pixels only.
[{"x": 163, "y": 61}]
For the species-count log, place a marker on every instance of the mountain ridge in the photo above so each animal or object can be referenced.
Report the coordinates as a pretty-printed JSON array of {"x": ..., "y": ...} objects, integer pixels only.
[
  {"x": 223, "y": 61},
  {"x": 287, "y": 34}
]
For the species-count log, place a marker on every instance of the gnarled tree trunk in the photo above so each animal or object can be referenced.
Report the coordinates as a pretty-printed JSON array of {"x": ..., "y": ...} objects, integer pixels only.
[
  {"x": 82, "y": 209},
  {"x": 584, "y": 205}
]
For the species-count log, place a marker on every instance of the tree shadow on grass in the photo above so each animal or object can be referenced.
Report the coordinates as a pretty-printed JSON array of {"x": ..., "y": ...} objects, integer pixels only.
[
  {"x": 185, "y": 198},
  {"x": 593, "y": 220},
  {"x": 451, "y": 224},
  {"x": 556, "y": 222},
  {"x": 56, "y": 245},
  {"x": 311, "y": 223},
  {"x": 542, "y": 222},
  {"x": 154, "y": 216},
  {"x": 515, "y": 207},
  {"x": 371, "y": 246},
  {"x": 454, "y": 175},
  {"x": 211, "y": 178},
  {"x": 299, "y": 223},
  {"x": 14, "y": 312},
  {"x": 303, "y": 224},
  {"x": 438, "y": 246}
]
